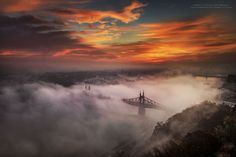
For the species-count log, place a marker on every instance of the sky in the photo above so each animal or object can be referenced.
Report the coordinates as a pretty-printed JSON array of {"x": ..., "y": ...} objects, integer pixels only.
[{"x": 109, "y": 34}]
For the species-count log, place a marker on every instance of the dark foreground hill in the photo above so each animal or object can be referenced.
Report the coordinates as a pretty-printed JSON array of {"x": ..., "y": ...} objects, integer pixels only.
[{"x": 205, "y": 130}]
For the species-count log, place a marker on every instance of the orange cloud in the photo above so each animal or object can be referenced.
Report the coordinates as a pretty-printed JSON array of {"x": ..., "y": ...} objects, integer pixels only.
[
  {"x": 70, "y": 51},
  {"x": 20, "y": 5},
  {"x": 128, "y": 14},
  {"x": 178, "y": 40},
  {"x": 164, "y": 42},
  {"x": 11, "y": 53},
  {"x": 186, "y": 38},
  {"x": 101, "y": 36},
  {"x": 182, "y": 30},
  {"x": 86, "y": 54}
]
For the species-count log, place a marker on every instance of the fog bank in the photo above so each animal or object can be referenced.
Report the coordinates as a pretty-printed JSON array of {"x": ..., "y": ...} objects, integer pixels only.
[{"x": 45, "y": 119}]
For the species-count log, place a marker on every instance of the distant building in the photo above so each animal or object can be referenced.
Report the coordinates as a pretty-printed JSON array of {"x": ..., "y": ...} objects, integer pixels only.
[
  {"x": 231, "y": 78},
  {"x": 230, "y": 83},
  {"x": 230, "y": 96}
]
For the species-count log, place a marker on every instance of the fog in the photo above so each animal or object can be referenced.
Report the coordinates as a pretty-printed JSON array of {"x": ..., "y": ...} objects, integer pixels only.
[{"x": 45, "y": 119}]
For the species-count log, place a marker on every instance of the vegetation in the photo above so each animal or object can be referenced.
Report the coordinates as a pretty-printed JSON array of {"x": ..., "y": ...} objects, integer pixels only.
[{"x": 205, "y": 130}]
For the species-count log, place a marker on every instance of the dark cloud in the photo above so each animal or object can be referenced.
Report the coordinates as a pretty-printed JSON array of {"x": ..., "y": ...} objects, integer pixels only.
[
  {"x": 94, "y": 54},
  {"x": 228, "y": 58},
  {"x": 219, "y": 44},
  {"x": 189, "y": 27},
  {"x": 13, "y": 6},
  {"x": 29, "y": 33}
]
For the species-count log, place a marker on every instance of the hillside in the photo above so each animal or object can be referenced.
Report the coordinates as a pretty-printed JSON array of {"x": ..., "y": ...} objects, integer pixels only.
[{"x": 205, "y": 130}]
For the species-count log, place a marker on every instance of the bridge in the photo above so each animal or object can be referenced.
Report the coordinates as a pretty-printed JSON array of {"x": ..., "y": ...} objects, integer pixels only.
[{"x": 142, "y": 102}]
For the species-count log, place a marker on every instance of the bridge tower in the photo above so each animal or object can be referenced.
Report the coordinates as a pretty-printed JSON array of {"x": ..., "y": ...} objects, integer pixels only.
[{"x": 141, "y": 108}]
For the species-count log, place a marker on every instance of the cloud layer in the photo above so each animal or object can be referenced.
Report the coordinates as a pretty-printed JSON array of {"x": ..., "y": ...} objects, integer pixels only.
[
  {"x": 41, "y": 119},
  {"x": 126, "y": 15},
  {"x": 126, "y": 32}
]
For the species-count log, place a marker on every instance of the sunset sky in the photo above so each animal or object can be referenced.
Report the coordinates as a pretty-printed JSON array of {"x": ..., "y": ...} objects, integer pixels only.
[{"x": 97, "y": 34}]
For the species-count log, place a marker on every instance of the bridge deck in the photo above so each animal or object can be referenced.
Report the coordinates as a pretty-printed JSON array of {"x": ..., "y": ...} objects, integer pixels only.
[{"x": 147, "y": 103}]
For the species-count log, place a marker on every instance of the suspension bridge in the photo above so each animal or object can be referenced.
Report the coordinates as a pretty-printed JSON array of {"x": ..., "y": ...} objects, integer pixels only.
[{"x": 142, "y": 103}]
